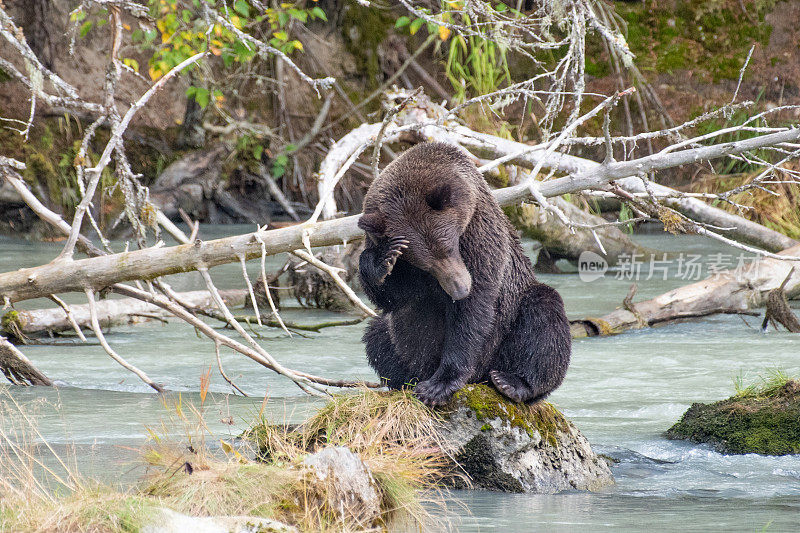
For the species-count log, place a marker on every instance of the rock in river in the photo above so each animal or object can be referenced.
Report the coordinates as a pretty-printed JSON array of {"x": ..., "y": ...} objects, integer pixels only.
[
  {"x": 756, "y": 420},
  {"x": 519, "y": 448}
]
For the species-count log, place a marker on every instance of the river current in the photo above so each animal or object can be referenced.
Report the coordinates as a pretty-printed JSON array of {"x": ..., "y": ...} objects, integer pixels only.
[{"x": 623, "y": 392}]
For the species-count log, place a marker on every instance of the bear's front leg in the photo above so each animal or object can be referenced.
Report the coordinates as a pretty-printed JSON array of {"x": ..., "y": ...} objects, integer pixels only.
[
  {"x": 375, "y": 264},
  {"x": 469, "y": 322}
]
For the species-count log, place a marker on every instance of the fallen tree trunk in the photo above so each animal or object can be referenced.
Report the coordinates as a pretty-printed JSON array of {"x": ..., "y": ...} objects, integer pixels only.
[
  {"x": 735, "y": 291},
  {"x": 741, "y": 229},
  {"x": 527, "y": 156},
  {"x": 98, "y": 272},
  {"x": 110, "y": 312}
]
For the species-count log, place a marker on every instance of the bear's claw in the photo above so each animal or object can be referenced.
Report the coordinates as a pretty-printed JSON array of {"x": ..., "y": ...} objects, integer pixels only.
[
  {"x": 396, "y": 247},
  {"x": 510, "y": 386}
]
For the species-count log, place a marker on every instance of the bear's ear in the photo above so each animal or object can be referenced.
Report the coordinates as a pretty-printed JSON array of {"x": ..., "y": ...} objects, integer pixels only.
[
  {"x": 372, "y": 223},
  {"x": 440, "y": 197}
]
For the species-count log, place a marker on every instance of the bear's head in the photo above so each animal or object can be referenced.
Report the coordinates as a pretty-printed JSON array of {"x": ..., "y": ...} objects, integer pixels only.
[{"x": 427, "y": 196}]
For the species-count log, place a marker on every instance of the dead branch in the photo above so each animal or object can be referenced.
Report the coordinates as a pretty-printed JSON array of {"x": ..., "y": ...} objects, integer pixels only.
[
  {"x": 214, "y": 335},
  {"x": 110, "y": 312},
  {"x": 98, "y": 332}
]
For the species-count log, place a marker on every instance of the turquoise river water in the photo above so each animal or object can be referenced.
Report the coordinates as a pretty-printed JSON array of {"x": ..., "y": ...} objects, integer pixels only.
[{"x": 621, "y": 391}]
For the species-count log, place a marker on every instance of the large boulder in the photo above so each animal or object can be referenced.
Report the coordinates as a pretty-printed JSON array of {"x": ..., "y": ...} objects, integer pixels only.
[
  {"x": 511, "y": 447},
  {"x": 756, "y": 420}
]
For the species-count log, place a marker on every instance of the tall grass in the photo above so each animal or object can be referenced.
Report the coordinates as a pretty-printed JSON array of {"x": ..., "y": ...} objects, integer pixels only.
[{"x": 767, "y": 385}]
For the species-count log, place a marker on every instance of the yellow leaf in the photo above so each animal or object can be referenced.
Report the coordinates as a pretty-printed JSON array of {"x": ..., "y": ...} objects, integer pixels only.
[
  {"x": 215, "y": 51},
  {"x": 127, "y": 27},
  {"x": 237, "y": 22},
  {"x": 298, "y": 45},
  {"x": 227, "y": 448},
  {"x": 444, "y": 33},
  {"x": 154, "y": 74}
]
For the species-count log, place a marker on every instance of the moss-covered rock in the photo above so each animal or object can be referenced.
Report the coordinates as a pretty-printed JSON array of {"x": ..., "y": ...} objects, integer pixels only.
[
  {"x": 513, "y": 447},
  {"x": 762, "y": 421}
]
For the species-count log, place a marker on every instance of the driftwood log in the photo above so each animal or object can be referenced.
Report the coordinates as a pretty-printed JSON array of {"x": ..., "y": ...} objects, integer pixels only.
[
  {"x": 735, "y": 291},
  {"x": 110, "y": 312},
  {"x": 561, "y": 242},
  {"x": 17, "y": 368}
]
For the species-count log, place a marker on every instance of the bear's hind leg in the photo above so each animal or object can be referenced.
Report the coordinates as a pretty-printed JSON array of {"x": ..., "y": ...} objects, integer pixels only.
[
  {"x": 533, "y": 357},
  {"x": 382, "y": 356}
]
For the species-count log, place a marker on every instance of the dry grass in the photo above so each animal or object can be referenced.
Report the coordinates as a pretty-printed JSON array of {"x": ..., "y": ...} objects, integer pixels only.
[
  {"x": 196, "y": 473},
  {"x": 394, "y": 434},
  {"x": 40, "y": 490},
  {"x": 775, "y": 205}
]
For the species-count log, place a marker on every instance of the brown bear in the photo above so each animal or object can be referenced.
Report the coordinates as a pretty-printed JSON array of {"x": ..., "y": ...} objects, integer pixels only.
[{"x": 458, "y": 298}]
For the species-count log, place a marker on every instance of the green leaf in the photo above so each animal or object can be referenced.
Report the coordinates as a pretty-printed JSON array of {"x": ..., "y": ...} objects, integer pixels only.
[
  {"x": 257, "y": 151},
  {"x": 402, "y": 21},
  {"x": 282, "y": 160},
  {"x": 241, "y": 7},
  {"x": 85, "y": 27},
  {"x": 500, "y": 8},
  {"x": 283, "y": 18},
  {"x": 201, "y": 96},
  {"x": 319, "y": 13},
  {"x": 187, "y": 15},
  {"x": 278, "y": 171},
  {"x": 298, "y": 14},
  {"x": 415, "y": 26}
]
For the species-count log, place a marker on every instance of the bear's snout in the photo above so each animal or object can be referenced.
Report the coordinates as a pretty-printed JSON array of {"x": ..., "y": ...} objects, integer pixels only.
[{"x": 454, "y": 277}]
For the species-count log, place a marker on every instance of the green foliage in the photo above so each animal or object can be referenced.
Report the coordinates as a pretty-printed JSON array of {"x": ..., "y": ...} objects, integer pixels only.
[
  {"x": 475, "y": 65},
  {"x": 625, "y": 213},
  {"x": 181, "y": 31},
  {"x": 363, "y": 30},
  {"x": 768, "y": 385}
]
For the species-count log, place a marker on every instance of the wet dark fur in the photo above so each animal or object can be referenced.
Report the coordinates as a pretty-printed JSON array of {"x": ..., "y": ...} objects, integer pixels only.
[{"x": 510, "y": 329}]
